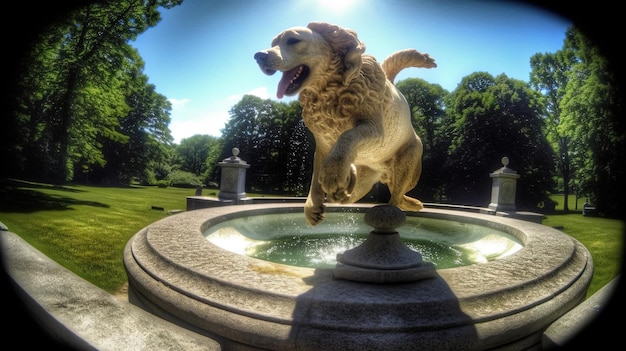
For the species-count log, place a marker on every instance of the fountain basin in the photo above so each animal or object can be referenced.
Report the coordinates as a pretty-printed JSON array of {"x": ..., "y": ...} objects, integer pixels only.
[
  {"x": 249, "y": 304},
  {"x": 281, "y": 238}
]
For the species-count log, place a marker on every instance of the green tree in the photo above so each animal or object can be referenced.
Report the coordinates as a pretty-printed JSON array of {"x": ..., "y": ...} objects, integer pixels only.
[
  {"x": 295, "y": 150},
  {"x": 199, "y": 154},
  {"x": 591, "y": 114},
  {"x": 72, "y": 95},
  {"x": 433, "y": 126},
  {"x": 211, "y": 176},
  {"x": 252, "y": 130},
  {"x": 496, "y": 117},
  {"x": 243, "y": 132},
  {"x": 549, "y": 75},
  {"x": 146, "y": 126},
  {"x": 272, "y": 138}
]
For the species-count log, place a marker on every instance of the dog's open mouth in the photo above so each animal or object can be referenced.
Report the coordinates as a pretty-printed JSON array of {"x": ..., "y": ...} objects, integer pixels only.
[{"x": 291, "y": 81}]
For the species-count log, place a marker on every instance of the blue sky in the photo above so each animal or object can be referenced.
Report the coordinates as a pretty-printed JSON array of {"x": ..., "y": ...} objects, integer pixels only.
[{"x": 200, "y": 56}]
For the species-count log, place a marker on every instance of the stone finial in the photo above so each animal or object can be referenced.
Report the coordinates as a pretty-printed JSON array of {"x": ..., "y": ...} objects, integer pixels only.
[
  {"x": 505, "y": 168},
  {"x": 505, "y": 161},
  {"x": 234, "y": 157}
]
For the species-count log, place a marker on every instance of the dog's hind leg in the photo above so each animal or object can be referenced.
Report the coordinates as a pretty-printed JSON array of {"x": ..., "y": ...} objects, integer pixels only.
[
  {"x": 365, "y": 180},
  {"x": 398, "y": 187},
  {"x": 402, "y": 201},
  {"x": 404, "y": 175}
]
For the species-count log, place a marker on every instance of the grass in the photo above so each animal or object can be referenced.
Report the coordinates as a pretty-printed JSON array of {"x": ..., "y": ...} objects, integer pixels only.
[
  {"x": 603, "y": 237},
  {"x": 85, "y": 228}
]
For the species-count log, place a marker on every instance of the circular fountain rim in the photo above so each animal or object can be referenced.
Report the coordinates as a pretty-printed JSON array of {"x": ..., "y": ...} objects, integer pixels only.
[
  {"x": 186, "y": 229},
  {"x": 174, "y": 270}
]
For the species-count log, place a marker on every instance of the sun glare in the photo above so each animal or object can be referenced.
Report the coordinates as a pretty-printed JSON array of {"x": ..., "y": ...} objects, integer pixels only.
[{"x": 337, "y": 5}]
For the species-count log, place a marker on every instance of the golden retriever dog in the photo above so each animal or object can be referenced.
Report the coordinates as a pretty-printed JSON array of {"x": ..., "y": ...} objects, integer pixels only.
[{"x": 361, "y": 122}]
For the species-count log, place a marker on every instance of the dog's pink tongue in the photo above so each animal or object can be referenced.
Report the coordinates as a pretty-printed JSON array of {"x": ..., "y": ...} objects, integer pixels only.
[
  {"x": 285, "y": 81},
  {"x": 282, "y": 87}
]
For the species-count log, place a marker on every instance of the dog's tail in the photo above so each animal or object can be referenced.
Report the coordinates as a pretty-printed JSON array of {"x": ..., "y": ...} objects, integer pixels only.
[{"x": 402, "y": 59}]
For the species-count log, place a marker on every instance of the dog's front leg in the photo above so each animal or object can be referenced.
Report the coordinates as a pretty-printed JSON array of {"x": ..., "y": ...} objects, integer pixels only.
[
  {"x": 314, "y": 206},
  {"x": 338, "y": 173}
]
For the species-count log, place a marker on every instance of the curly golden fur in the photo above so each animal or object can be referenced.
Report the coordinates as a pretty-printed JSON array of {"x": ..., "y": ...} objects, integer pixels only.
[{"x": 361, "y": 122}]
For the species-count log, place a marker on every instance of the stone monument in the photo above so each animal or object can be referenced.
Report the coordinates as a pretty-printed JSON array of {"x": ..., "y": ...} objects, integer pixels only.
[
  {"x": 503, "y": 188},
  {"x": 233, "y": 178}
]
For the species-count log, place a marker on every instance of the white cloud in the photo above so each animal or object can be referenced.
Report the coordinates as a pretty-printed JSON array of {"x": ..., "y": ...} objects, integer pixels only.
[
  {"x": 188, "y": 121},
  {"x": 178, "y": 103},
  {"x": 261, "y": 92},
  {"x": 208, "y": 124}
]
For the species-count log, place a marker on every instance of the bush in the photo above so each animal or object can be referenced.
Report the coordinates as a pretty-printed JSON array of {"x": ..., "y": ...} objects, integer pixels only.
[
  {"x": 162, "y": 183},
  {"x": 182, "y": 179}
]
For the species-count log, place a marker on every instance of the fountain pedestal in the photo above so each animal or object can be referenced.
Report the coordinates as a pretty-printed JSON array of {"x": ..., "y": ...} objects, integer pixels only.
[{"x": 383, "y": 257}]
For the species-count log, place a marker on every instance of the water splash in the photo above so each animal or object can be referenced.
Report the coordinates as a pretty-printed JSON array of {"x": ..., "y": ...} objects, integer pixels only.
[{"x": 285, "y": 238}]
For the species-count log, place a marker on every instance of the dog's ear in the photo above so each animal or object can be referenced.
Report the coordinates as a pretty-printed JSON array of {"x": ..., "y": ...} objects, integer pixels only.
[{"x": 347, "y": 45}]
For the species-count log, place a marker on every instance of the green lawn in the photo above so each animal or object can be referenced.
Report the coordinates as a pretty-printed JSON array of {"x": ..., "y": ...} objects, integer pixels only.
[
  {"x": 603, "y": 237},
  {"x": 85, "y": 228}
]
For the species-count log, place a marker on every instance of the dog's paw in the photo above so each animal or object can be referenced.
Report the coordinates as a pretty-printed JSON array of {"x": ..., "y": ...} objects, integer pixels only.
[
  {"x": 313, "y": 214},
  {"x": 339, "y": 184}
]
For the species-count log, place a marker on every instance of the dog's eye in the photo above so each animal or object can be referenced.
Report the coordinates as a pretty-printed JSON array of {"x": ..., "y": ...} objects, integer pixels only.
[{"x": 293, "y": 41}]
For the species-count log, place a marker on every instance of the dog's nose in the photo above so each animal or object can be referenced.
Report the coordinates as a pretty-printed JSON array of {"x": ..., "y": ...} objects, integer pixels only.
[
  {"x": 260, "y": 57},
  {"x": 261, "y": 60}
]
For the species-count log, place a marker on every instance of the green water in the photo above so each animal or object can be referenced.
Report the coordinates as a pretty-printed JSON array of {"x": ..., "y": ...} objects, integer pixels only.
[{"x": 286, "y": 239}]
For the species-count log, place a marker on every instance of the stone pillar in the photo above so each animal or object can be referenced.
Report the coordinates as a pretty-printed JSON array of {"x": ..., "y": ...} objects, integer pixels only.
[
  {"x": 233, "y": 178},
  {"x": 503, "y": 188}
]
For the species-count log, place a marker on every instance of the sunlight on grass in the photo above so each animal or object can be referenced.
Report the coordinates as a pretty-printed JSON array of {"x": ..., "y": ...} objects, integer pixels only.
[
  {"x": 603, "y": 237},
  {"x": 85, "y": 228}
]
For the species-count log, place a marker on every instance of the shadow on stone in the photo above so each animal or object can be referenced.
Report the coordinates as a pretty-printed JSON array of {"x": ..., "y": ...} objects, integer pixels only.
[{"x": 344, "y": 315}]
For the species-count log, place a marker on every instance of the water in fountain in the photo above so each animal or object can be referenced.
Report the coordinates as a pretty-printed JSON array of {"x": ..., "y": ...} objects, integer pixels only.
[{"x": 281, "y": 238}]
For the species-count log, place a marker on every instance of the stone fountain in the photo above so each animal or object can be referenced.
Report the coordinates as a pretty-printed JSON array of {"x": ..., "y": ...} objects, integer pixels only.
[
  {"x": 380, "y": 295},
  {"x": 373, "y": 301}
]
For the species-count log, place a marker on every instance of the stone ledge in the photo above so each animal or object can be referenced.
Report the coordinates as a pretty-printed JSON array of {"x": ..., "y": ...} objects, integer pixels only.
[
  {"x": 564, "y": 330},
  {"x": 79, "y": 315}
]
